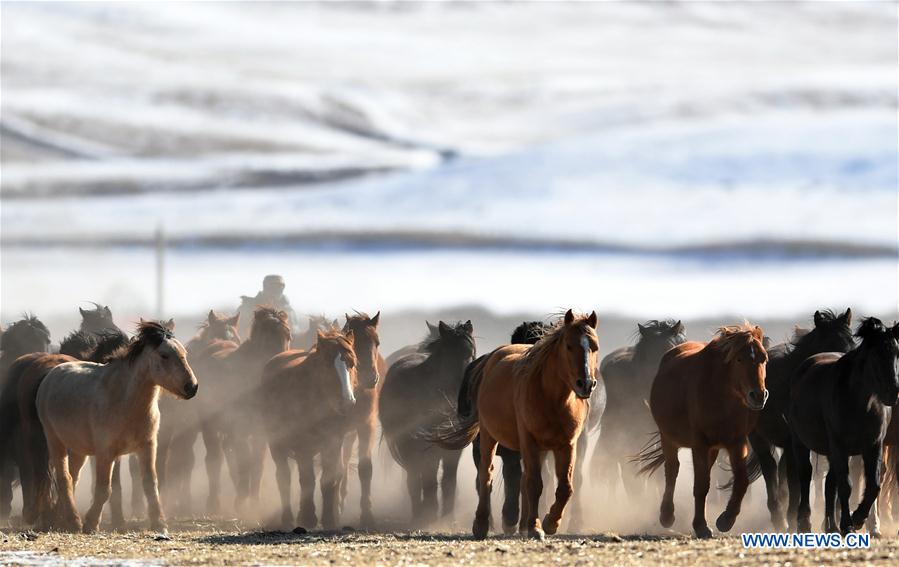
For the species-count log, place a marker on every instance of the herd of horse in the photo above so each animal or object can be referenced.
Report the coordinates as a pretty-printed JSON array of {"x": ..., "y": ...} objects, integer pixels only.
[{"x": 313, "y": 399}]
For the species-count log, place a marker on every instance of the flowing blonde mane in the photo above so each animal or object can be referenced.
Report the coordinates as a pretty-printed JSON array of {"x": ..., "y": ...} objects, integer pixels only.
[{"x": 731, "y": 339}]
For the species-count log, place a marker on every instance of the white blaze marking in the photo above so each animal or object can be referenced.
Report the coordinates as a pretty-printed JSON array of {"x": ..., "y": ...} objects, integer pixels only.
[
  {"x": 343, "y": 374},
  {"x": 752, "y": 352},
  {"x": 588, "y": 370}
]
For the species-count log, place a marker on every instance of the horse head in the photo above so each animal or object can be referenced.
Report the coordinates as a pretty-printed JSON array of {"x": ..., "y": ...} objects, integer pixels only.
[
  {"x": 157, "y": 351},
  {"x": 336, "y": 348},
  {"x": 744, "y": 352},
  {"x": 97, "y": 319},
  {"x": 880, "y": 351},
  {"x": 580, "y": 348},
  {"x": 270, "y": 331},
  {"x": 220, "y": 327},
  {"x": 25, "y": 336},
  {"x": 366, "y": 344}
]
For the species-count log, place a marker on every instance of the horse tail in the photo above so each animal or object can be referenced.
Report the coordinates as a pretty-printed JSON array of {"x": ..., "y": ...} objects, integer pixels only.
[
  {"x": 650, "y": 458},
  {"x": 9, "y": 417},
  {"x": 34, "y": 466},
  {"x": 458, "y": 434},
  {"x": 753, "y": 470}
]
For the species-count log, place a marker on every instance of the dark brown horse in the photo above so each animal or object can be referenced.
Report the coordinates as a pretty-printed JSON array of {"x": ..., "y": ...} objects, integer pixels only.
[
  {"x": 228, "y": 410},
  {"x": 25, "y": 336},
  {"x": 364, "y": 415},
  {"x": 707, "y": 396},
  {"x": 98, "y": 320},
  {"x": 532, "y": 399},
  {"x": 419, "y": 392},
  {"x": 628, "y": 373},
  {"x": 831, "y": 333},
  {"x": 306, "y": 400},
  {"x": 412, "y": 349},
  {"x": 180, "y": 423},
  {"x": 841, "y": 405}
]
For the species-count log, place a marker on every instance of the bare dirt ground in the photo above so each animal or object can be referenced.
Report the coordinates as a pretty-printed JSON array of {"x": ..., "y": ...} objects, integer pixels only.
[{"x": 221, "y": 543}]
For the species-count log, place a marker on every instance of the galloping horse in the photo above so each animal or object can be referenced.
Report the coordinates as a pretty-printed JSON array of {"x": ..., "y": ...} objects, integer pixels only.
[
  {"x": 105, "y": 410},
  {"x": 306, "y": 399},
  {"x": 227, "y": 406},
  {"x": 180, "y": 423},
  {"x": 840, "y": 405},
  {"x": 831, "y": 333},
  {"x": 707, "y": 396},
  {"x": 628, "y": 373},
  {"x": 25, "y": 336},
  {"x": 364, "y": 415},
  {"x": 416, "y": 397},
  {"x": 532, "y": 399}
]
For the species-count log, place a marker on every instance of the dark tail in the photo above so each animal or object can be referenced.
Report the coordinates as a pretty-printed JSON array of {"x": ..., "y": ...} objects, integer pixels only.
[
  {"x": 650, "y": 457},
  {"x": 753, "y": 470},
  {"x": 9, "y": 421},
  {"x": 34, "y": 463},
  {"x": 456, "y": 434}
]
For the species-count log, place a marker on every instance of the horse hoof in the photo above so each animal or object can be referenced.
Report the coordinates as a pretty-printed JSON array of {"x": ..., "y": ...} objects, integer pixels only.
[
  {"x": 858, "y": 521},
  {"x": 479, "y": 529},
  {"x": 702, "y": 532},
  {"x": 875, "y": 534},
  {"x": 804, "y": 526},
  {"x": 779, "y": 523},
  {"x": 536, "y": 533},
  {"x": 551, "y": 526},
  {"x": 666, "y": 516},
  {"x": 366, "y": 521},
  {"x": 510, "y": 529},
  {"x": 725, "y": 522}
]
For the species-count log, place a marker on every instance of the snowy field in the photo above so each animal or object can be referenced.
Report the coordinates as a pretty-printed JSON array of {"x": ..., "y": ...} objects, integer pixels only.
[{"x": 695, "y": 159}]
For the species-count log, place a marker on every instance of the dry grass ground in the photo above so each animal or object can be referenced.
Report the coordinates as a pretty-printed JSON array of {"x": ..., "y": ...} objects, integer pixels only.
[{"x": 218, "y": 543}]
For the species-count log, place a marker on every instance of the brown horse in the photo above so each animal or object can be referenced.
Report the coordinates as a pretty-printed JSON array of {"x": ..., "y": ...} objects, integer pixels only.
[
  {"x": 227, "y": 407},
  {"x": 532, "y": 399},
  {"x": 364, "y": 415},
  {"x": 105, "y": 410},
  {"x": 306, "y": 400},
  {"x": 180, "y": 423},
  {"x": 707, "y": 396}
]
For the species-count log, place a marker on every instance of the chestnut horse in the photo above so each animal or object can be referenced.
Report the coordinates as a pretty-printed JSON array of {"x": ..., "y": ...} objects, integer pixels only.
[
  {"x": 105, "y": 410},
  {"x": 229, "y": 417},
  {"x": 532, "y": 399},
  {"x": 180, "y": 423},
  {"x": 707, "y": 396},
  {"x": 364, "y": 415},
  {"x": 306, "y": 400}
]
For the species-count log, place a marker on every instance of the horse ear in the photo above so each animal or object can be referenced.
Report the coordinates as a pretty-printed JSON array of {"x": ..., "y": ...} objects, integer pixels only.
[
  {"x": 142, "y": 321},
  {"x": 641, "y": 328},
  {"x": 847, "y": 316},
  {"x": 335, "y": 324},
  {"x": 468, "y": 326},
  {"x": 346, "y": 315},
  {"x": 211, "y": 316},
  {"x": 233, "y": 321},
  {"x": 593, "y": 320},
  {"x": 170, "y": 324},
  {"x": 431, "y": 328},
  {"x": 895, "y": 331},
  {"x": 818, "y": 318},
  {"x": 679, "y": 327},
  {"x": 80, "y": 310},
  {"x": 376, "y": 319},
  {"x": 442, "y": 328},
  {"x": 569, "y": 317},
  {"x": 107, "y": 311}
]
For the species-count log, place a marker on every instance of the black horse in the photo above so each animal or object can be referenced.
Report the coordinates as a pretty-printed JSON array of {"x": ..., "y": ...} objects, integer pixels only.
[
  {"x": 628, "y": 373},
  {"x": 416, "y": 397},
  {"x": 831, "y": 333},
  {"x": 840, "y": 405}
]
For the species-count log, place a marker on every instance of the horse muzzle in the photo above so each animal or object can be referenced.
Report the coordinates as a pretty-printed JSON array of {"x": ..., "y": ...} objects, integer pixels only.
[
  {"x": 755, "y": 399},
  {"x": 583, "y": 389},
  {"x": 190, "y": 390}
]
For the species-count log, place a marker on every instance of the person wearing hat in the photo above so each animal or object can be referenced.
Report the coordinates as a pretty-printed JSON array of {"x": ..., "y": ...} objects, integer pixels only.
[{"x": 272, "y": 294}]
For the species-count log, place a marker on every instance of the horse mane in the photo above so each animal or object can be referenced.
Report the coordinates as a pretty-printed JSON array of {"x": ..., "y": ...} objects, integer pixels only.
[
  {"x": 355, "y": 320},
  {"x": 457, "y": 332},
  {"x": 109, "y": 346},
  {"x": 730, "y": 339},
  {"x": 149, "y": 334},
  {"x": 646, "y": 332},
  {"x": 268, "y": 316},
  {"x": 339, "y": 337},
  {"x": 529, "y": 332},
  {"x": 29, "y": 321},
  {"x": 78, "y": 344},
  {"x": 872, "y": 329},
  {"x": 802, "y": 336},
  {"x": 536, "y": 357}
]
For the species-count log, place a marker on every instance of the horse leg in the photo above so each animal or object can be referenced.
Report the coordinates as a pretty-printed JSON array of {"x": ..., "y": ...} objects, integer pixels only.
[
  {"x": 830, "y": 496},
  {"x": 102, "y": 490},
  {"x": 330, "y": 484},
  {"x": 59, "y": 461},
  {"x": 257, "y": 448},
  {"x": 184, "y": 449},
  {"x": 6, "y": 481},
  {"x": 533, "y": 480},
  {"x": 512, "y": 489},
  {"x": 306, "y": 468},
  {"x": 703, "y": 459},
  {"x": 839, "y": 466},
  {"x": 450, "y": 464},
  {"x": 800, "y": 507},
  {"x": 565, "y": 460},
  {"x": 147, "y": 461},
  {"x": 345, "y": 459},
  {"x": 413, "y": 484},
  {"x": 366, "y": 436},
  {"x": 737, "y": 455},
  {"x": 214, "y": 457},
  {"x": 872, "y": 456},
  {"x": 764, "y": 453},
  {"x": 481, "y": 524},
  {"x": 138, "y": 504},
  {"x": 115, "y": 497},
  {"x": 282, "y": 478},
  {"x": 429, "y": 466},
  {"x": 672, "y": 467},
  {"x": 576, "y": 518}
]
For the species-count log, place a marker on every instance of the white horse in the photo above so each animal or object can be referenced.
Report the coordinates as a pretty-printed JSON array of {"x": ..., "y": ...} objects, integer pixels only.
[{"x": 108, "y": 410}]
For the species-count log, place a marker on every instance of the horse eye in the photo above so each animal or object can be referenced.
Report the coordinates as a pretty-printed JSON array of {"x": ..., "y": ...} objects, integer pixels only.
[{"x": 164, "y": 356}]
